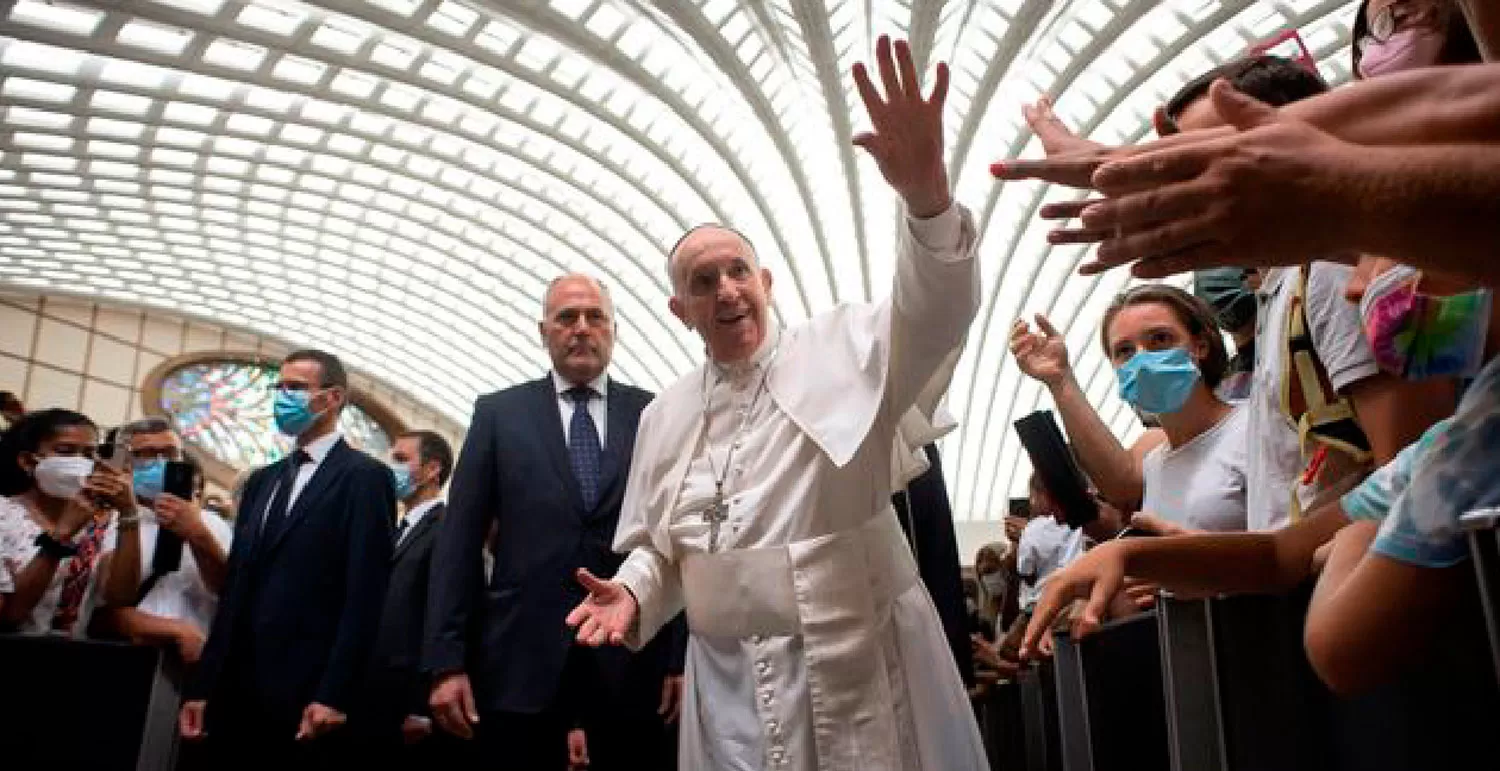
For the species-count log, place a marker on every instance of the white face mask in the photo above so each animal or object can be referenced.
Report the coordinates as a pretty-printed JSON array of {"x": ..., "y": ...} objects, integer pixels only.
[
  {"x": 61, "y": 476},
  {"x": 994, "y": 583}
]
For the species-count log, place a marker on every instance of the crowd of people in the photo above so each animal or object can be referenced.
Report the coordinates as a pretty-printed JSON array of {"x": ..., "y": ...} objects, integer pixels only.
[{"x": 722, "y": 575}]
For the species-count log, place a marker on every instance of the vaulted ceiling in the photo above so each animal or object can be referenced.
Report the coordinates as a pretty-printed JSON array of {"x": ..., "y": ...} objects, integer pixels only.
[{"x": 397, "y": 180}]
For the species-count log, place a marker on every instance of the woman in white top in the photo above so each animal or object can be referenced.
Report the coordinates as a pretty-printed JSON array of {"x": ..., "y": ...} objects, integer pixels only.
[
  {"x": 1168, "y": 351},
  {"x": 55, "y": 511}
]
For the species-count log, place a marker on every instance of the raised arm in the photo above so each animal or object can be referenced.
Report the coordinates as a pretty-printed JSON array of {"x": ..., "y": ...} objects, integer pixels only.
[{"x": 936, "y": 291}]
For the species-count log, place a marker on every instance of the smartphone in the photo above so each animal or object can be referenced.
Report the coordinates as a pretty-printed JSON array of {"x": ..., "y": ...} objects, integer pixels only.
[
  {"x": 177, "y": 481},
  {"x": 108, "y": 452}
]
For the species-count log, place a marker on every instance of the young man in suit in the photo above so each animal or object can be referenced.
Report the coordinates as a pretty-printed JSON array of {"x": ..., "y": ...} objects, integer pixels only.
[
  {"x": 301, "y": 608},
  {"x": 546, "y": 462},
  {"x": 398, "y": 719}
]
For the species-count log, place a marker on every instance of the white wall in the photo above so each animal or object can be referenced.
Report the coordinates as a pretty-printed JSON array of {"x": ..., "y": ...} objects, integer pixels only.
[{"x": 92, "y": 357}]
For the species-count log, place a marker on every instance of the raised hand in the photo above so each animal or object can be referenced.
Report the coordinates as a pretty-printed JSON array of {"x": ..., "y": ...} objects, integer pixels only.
[
  {"x": 1269, "y": 193},
  {"x": 1042, "y": 355},
  {"x": 1071, "y": 160},
  {"x": 1055, "y": 136},
  {"x": 606, "y": 615},
  {"x": 907, "y": 141}
]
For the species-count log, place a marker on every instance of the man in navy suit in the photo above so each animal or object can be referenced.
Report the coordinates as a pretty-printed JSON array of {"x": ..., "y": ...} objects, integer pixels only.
[
  {"x": 307, "y": 573},
  {"x": 546, "y": 463}
]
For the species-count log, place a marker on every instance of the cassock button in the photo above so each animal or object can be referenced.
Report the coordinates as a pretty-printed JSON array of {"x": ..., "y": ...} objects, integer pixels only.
[
  {"x": 762, "y": 667},
  {"x": 774, "y": 726},
  {"x": 757, "y": 640}
]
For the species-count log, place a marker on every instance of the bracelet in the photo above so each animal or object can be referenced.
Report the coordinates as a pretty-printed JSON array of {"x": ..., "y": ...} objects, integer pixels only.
[{"x": 54, "y": 548}]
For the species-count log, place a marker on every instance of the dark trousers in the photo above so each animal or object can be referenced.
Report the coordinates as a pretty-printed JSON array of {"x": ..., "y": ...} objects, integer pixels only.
[
  {"x": 619, "y": 718},
  {"x": 512, "y": 741}
]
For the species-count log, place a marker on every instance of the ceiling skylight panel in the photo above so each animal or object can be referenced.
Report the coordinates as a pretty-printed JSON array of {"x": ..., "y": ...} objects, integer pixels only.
[
  {"x": 605, "y": 21},
  {"x": 279, "y": 19},
  {"x": 299, "y": 70},
  {"x": 636, "y": 38},
  {"x": 114, "y": 101},
  {"x": 235, "y": 54},
  {"x": 396, "y": 51},
  {"x": 28, "y": 116},
  {"x": 61, "y": 17},
  {"x": 498, "y": 37},
  {"x": 399, "y": 97},
  {"x": 41, "y": 90},
  {"x": 42, "y": 141},
  {"x": 443, "y": 67},
  {"x": 153, "y": 37},
  {"x": 453, "y": 18},
  {"x": 398, "y": 7},
  {"x": 354, "y": 83}
]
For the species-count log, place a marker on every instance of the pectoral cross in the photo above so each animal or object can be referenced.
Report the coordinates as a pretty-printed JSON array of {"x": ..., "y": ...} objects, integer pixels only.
[{"x": 716, "y": 513}]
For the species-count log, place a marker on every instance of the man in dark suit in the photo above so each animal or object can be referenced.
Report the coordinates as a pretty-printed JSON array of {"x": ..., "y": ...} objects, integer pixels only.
[
  {"x": 546, "y": 463},
  {"x": 398, "y": 725},
  {"x": 301, "y": 607}
]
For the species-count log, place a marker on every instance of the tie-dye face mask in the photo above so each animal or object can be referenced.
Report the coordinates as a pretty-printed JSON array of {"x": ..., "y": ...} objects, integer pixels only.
[{"x": 1419, "y": 336}]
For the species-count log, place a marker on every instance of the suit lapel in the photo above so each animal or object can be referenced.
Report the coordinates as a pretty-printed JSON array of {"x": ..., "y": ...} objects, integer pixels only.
[
  {"x": 429, "y": 521},
  {"x": 322, "y": 479},
  {"x": 549, "y": 426}
]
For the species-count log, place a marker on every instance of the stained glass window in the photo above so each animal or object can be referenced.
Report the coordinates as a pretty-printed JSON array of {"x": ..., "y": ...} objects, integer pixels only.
[{"x": 224, "y": 408}]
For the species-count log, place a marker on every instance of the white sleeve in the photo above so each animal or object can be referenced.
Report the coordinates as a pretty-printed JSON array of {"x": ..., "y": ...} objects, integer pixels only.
[
  {"x": 1334, "y": 324},
  {"x": 658, "y": 593},
  {"x": 934, "y": 299}
]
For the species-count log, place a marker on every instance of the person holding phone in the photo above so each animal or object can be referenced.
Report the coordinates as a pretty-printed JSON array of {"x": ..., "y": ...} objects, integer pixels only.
[
  {"x": 156, "y": 591},
  {"x": 56, "y": 504}
]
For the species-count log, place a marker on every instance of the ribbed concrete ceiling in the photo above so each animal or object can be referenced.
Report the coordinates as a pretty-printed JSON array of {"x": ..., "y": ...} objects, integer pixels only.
[{"x": 397, "y": 180}]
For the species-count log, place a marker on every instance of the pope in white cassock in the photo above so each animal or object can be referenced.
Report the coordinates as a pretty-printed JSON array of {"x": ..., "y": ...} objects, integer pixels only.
[{"x": 759, "y": 495}]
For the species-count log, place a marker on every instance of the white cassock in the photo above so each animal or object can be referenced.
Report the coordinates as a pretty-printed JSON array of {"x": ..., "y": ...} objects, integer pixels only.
[{"x": 814, "y": 644}]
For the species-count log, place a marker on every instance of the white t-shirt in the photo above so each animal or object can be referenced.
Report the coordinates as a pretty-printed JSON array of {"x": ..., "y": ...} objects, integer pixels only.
[
  {"x": 1043, "y": 549},
  {"x": 1275, "y": 459},
  {"x": 17, "y": 548},
  {"x": 182, "y": 594},
  {"x": 1201, "y": 485}
]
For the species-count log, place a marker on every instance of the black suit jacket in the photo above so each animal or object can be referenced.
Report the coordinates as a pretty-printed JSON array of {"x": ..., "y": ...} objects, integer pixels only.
[
  {"x": 301, "y": 607},
  {"x": 927, "y": 518},
  {"x": 510, "y": 636},
  {"x": 398, "y": 687}
]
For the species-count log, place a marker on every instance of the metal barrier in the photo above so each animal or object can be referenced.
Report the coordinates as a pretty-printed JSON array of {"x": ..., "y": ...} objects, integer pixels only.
[
  {"x": 1039, "y": 711},
  {"x": 1111, "y": 711},
  {"x": 85, "y": 704},
  {"x": 1483, "y": 527}
]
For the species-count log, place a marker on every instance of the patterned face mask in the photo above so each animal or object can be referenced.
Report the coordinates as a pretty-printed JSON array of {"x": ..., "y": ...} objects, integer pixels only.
[{"x": 1419, "y": 336}]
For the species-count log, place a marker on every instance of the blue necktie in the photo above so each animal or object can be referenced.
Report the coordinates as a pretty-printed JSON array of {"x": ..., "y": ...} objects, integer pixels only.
[{"x": 583, "y": 446}]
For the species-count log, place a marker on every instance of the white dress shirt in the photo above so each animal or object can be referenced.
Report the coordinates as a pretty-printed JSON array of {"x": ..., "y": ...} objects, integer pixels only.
[
  {"x": 414, "y": 517},
  {"x": 317, "y": 450},
  {"x": 565, "y": 405}
]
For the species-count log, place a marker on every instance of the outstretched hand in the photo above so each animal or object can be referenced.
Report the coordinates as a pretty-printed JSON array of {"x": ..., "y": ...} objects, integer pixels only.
[
  {"x": 1096, "y": 577},
  {"x": 1205, "y": 200},
  {"x": 606, "y": 615},
  {"x": 907, "y": 140}
]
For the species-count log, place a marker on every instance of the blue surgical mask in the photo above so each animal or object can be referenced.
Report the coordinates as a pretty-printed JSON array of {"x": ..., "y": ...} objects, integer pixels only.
[
  {"x": 401, "y": 476},
  {"x": 148, "y": 478},
  {"x": 293, "y": 411},
  {"x": 1158, "y": 381}
]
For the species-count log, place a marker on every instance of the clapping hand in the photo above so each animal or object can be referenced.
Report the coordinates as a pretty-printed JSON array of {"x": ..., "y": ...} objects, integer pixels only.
[{"x": 907, "y": 140}]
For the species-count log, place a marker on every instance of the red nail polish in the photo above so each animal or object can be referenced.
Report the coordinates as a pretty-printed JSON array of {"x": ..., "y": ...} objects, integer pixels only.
[{"x": 997, "y": 168}]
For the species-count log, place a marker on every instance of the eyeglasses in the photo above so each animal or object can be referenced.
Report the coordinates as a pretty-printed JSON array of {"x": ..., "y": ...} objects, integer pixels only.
[
  {"x": 155, "y": 453},
  {"x": 282, "y": 385}
]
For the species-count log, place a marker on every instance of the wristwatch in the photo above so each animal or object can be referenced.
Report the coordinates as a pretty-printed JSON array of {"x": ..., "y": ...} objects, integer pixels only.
[{"x": 54, "y": 548}]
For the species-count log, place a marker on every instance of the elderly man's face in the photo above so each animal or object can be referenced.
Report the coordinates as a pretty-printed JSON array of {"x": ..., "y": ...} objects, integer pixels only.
[
  {"x": 722, "y": 293},
  {"x": 578, "y": 327}
]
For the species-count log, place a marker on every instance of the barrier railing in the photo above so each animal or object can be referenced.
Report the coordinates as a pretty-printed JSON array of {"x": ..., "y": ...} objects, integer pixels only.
[
  {"x": 1483, "y": 527},
  {"x": 1224, "y": 685},
  {"x": 1110, "y": 708},
  {"x": 85, "y": 704}
]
